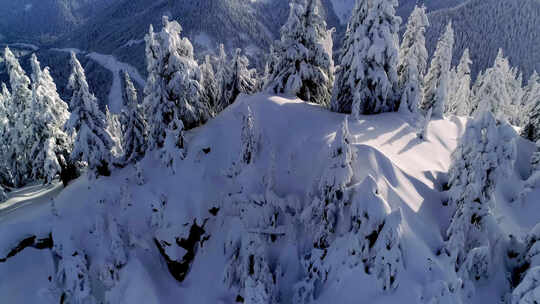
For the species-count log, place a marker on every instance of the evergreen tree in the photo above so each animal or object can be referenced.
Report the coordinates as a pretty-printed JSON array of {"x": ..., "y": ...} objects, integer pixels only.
[
  {"x": 50, "y": 114},
  {"x": 249, "y": 138},
  {"x": 459, "y": 93},
  {"x": 173, "y": 93},
  {"x": 5, "y": 166},
  {"x": 437, "y": 80},
  {"x": 333, "y": 185},
  {"x": 413, "y": 61},
  {"x": 485, "y": 152},
  {"x": 304, "y": 66},
  {"x": 114, "y": 128},
  {"x": 367, "y": 80},
  {"x": 209, "y": 83},
  {"x": 3, "y": 195},
  {"x": 223, "y": 79},
  {"x": 244, "y": 81},
  {"x": 526, "y": 292},
  {"x": 135, "y": 128},
  {"x": 531, "y": 97},
  {"x": 269, "y": 66},
  {"x": 496, "y": 90},
  {"x": 92, "y": 143},
  {"x": 248, "y": 271},
  {"x": 20, "y": 138},
  {"x": 73, "y": 279}
]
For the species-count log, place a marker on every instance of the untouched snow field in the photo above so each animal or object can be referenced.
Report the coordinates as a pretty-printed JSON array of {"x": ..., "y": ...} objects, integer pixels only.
[{"x": 407, "y": 173}]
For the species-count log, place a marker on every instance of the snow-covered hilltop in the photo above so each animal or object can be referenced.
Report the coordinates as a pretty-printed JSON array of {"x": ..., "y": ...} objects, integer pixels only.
[
  {"x": 378, "y": 175},
  {"x": 113, "y": 223}
]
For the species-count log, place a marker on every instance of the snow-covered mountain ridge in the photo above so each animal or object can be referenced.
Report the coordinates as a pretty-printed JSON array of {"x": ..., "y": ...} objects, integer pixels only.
[{"x": 130, "y": 235}]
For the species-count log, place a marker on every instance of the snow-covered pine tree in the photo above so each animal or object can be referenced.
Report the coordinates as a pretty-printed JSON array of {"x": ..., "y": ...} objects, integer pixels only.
[
  {"x": 248, "y": 271},
  {"x": 223, "y": 79},
  {"x": 174, "y": 98},
  {"x": 249, "y": 138},
  {"x": 3, "y": 195},
  {"x": 485, "y": 152},
  {"x": 92, "y": 143},
  {"x": 437, "y": 79},
  {"x": 367, "y": 80},
  {"x": 209, "y": 83},
  {"x": 531, "y": 128},
  {"x": 20, "y": 127},
  {"x": 244, "y": 81},
  {"x": 459, "y": 93},
  {"x": 271, "y": 60},
  {"x": 134, "y": 131},
  {"x": 114, "y": 128},
  {"x": 413, "y": 58},
  {"x": 50, "y": 114},
  {"x": 333, "y": 185},
  {"x": 526, "y": 292},
  {"x": 496, "y": 90},
  {"x": 304, "y": 66},
  {"x": 72, "y": 278},
  {"x": 386, "y": 257},
  {"x": 5, "y": 166}
]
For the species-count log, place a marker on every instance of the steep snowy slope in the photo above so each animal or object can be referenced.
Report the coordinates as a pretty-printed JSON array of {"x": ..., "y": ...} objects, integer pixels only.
[{"x": 122, "y": 236}]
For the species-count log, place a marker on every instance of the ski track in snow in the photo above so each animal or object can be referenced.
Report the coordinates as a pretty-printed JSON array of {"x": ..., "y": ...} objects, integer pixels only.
[{"x": 116, "y": 67}]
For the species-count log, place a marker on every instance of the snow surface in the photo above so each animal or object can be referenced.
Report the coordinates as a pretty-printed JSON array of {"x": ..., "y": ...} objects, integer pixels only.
[{"x": 409, "y": 174}]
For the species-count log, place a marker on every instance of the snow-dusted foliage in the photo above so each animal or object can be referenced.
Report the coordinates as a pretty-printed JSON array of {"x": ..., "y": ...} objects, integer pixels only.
[
  {"x": 134, "y": 129},
  {"x": 224, "y": 77},
  {"x": 93, "y": 143},
  {"x": 485, "y": 152},
  {"x": 367, "y": 80},
  {"x": 174, "y": 97},
  {"x": 3, "y": 195},
  {"x": 333, "y": 185},
  {"x": 531, "y": 99},
  {"x": 386, "y": 257},
  {"x": 209, "y": 83},
  {"x": 5, "y": 107},
  {"x": 422, "y": 125},
  {"x": 528, "y": 289},
  {"x": 413, "y": 58},
  {"x": 139, "y": 174},
  {"x": 244, "y": 80},
  {"x": 248, "y": 272},
  {"x": 20, "y": 127},
  {"x": 459, "y": 92},
  {"x": 498, "y": 90},
  {"x": 303, "y": 66},
  {"x": 249, "y": 138},
  {"x": 72, "y": 280},
  {"x": 114, "y": 128},
  {"x": 50, "y": 114},
  {"x": 436, "y": 82},
  {"x": 234, "y": 78}
]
